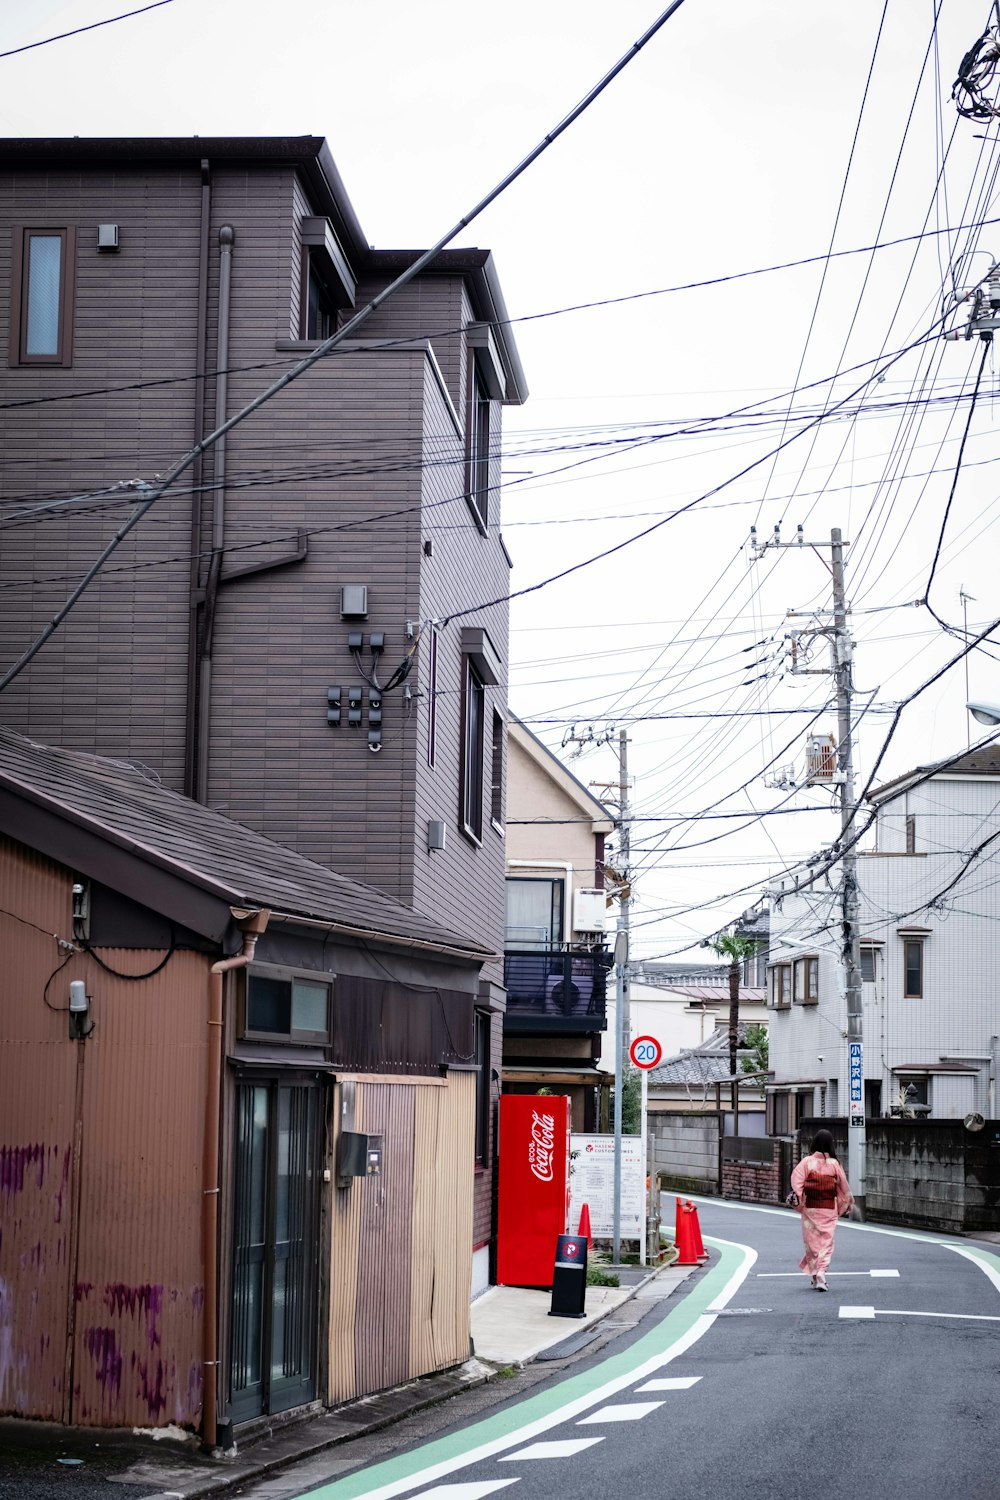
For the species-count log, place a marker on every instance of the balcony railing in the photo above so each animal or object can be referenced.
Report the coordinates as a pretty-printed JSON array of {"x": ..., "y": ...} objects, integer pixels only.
[{"x": 556, "y": 991}]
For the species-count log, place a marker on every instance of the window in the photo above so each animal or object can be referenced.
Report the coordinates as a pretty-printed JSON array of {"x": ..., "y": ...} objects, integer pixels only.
[
  {"x": 496, "y": 774},
  {"x": 293, "y": 1008},
  {"x": 534, "y": 912},
  {"x": 42, "y": 295},
  {"x": 913, "y": 968},
  {"x": 483, "y": 1081},
  {"x": 806, "y": 981},
  {"x": 479, "y": 446},
  {"x": 473, "y": 727},
  {"x": 319, "y": 306},
  {"x": 868, "y": 965},
  {"x": 911, "y": 833},
  {"x": 781, "y": 985}
]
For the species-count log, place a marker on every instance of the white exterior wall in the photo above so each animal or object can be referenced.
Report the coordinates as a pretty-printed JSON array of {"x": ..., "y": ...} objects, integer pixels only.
[
  {"x": 671, "y": 1019},
  {"x": 958, "y": 1015}
]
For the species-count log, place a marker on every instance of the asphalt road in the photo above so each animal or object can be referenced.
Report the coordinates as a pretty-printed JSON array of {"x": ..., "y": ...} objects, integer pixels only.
[
  {"x": 771, "y": 1392},
  {"x": 884, "y": 1387}
]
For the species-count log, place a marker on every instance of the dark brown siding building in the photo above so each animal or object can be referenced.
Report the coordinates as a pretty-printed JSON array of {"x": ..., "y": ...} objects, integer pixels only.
[{"x": 301, "y": 633}]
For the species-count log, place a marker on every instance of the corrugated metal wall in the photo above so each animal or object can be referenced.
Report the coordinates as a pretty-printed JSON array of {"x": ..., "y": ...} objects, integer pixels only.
[
  {"x": 401, "y": 1253},
  {"x": 100, "y": 1172}
]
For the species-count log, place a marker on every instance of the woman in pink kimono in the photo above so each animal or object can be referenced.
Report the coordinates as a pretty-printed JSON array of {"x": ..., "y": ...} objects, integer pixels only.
[{"x": 823, "y": 1196}]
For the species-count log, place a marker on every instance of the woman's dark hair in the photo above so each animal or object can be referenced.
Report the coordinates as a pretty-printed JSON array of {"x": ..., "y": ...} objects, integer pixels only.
[{"x": 823, "y": 1141}]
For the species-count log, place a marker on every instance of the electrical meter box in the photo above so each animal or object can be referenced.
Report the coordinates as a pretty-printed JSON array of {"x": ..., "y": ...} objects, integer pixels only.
[{"x": 358, "y": 1155}]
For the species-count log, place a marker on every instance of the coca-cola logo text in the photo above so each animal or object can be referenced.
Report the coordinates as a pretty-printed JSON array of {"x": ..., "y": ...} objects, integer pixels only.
[{"x": 541, "y": 1147}]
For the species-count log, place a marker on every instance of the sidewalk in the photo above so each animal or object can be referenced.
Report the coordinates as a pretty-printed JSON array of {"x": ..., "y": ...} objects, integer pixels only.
[{"x": 511, "y": 1327}]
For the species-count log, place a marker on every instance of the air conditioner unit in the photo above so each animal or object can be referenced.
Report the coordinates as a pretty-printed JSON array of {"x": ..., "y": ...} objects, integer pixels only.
[
  {"x": 589, "y": 911},
  {"x": 821, "y": 759}
]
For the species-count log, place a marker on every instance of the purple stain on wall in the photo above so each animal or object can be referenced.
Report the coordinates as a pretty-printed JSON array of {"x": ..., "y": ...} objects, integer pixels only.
[
  {"x": 83, "y": 1290},
  {"x": 15, "y": 1161},
  {"x": 198, "y": 1298},
  {"x": 152, "y": 1389},
  {"x": 145, "y": 1299},
  {"x": 102, "y": 1347}
]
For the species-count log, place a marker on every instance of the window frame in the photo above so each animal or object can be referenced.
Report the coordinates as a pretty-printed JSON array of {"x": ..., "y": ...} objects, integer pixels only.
[
  {"x": 478, "y": 445},
  {"x": 19, "y": 356},
  {"x": 808, "y": 965},
  {"x": 432, "y": 691},
  {"x": 293, "y": 1037},
  {"x": 780, "y": 979},
  {"x": 496, "y": 772},
  {"x": 312, "y": 273},
  {"x": 917, "y": 943},
  {"x": 472, "y": 763},
  {"x": 557, "y": 909},
  {"x": 869, "y": 950}
]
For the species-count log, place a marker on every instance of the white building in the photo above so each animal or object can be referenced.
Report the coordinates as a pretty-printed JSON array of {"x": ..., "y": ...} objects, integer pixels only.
[{"x": 929, "y": 890}]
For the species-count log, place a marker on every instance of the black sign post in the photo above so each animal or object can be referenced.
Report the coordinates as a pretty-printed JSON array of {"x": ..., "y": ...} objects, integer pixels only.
[{"x": 569, "y": 1277}]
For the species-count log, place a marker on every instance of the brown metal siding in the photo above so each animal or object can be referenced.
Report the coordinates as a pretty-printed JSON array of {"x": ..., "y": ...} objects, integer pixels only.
[
  {"x": 139, "y": 1286},
  {"x": 37, "y": 1072},
  {"x": 99, "y": 1213},
  {"x": 401, "y": 1261},
  {"x": 441, "y": 1260}
]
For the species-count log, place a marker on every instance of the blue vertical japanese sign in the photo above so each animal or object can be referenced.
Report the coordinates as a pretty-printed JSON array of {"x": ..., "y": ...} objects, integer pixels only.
[{"x": 856, "y": 1096}]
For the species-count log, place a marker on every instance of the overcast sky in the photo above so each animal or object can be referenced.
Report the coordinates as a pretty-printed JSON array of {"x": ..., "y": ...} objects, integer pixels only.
[{"x": 722, "y": 149}]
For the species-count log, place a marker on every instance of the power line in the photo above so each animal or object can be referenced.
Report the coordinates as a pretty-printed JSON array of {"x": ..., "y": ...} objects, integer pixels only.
[
  {"x": 151, "y": 495},
  {"x": 79, "y": 30}
]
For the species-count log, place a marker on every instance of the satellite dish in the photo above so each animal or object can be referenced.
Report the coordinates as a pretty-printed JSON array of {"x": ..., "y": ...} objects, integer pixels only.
[{"x": 975, "y": 1121}]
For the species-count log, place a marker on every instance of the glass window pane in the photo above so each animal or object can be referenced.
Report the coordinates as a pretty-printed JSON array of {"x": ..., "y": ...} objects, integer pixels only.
[
  {"x": 868, "y": 965},
  {"x": 269, "y": 1005},
  {"x": 309, "y": 1006},
  {"x": 44, "y": 265}
]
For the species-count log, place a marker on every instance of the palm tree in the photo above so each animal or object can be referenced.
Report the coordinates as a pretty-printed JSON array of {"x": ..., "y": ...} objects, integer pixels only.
[{"x": 737, "y": 949}]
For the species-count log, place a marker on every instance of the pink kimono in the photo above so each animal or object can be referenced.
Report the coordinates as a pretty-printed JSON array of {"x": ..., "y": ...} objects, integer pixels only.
[{"x": 824, "y": 1195}]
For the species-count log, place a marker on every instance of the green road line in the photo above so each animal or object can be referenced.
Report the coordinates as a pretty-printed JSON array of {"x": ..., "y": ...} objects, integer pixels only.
[{"x": 681, "y": 1328}]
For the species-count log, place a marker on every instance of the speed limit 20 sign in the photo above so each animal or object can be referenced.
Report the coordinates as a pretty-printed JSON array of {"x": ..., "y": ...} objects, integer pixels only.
[{"x": 645, "y": 1052}]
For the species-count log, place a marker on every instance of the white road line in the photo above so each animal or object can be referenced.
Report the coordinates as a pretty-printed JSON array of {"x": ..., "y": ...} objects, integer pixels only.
[
  {"x": 469, "y": 1490},
  {"x": 905, "y": 1312},
  {"x": 778, "y": 1275},
  {"x": 630, "y": 1413},
  {"x": 675, "y": 1383},
  {"x": 558, "y": 1448},
  {"x": 977, "y": 1260}
]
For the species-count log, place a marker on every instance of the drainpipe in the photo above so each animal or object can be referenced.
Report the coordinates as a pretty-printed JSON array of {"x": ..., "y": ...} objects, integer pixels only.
[
  {"x": 197, "y": 471},
  {"x": 227, "y": 237},
  {"x": 252, "y": 927}
]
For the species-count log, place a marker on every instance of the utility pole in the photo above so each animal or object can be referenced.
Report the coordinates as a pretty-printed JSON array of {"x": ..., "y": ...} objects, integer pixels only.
[
  {"x": 841, "y": 651},
  {"x": 621, "y": 985},
  {"x": 841, "y": 647}
]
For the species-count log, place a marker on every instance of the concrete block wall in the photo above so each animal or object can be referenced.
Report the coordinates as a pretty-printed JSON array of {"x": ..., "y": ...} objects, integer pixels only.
[{"x": 686, "y": 1150}]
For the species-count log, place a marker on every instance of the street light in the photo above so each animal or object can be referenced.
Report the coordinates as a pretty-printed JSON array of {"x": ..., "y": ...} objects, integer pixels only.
[{"x": 985, "y": 713}]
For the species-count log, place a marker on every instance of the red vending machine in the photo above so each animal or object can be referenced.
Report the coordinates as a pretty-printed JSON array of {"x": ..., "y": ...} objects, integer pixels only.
[{"x": 533, "y": 1192}]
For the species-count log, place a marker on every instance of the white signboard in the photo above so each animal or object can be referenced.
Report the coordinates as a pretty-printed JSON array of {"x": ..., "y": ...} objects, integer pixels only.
[
  {"x": 592, "y": 1181},
  {"x": 856, "y": 1094}
]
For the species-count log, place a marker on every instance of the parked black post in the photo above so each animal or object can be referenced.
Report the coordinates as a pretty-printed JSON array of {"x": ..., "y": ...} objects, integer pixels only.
[{"x": 569, "y": 1277}]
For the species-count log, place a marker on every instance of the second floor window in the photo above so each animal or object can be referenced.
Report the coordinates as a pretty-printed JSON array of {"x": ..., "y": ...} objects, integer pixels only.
[
  {"x": 479, "y": 447},
  {"x": 473, "y": 729},
  {"x": 534, "y": 912},
  {"x": 913, "y": 968},
  {"x": 43, "y": 292},
  {"x": 806, "y": 981},
  {"x": 287, "y": 1007},
  {"x": 781, "y": 985},
  {"x": 319, "y": 305}
]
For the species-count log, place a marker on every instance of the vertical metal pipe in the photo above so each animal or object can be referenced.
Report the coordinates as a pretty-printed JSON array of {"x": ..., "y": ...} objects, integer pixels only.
[
  {"x": 227, "y": 238},
  {"x": 197, "y": 472},
  {"x": 210, "y": 1175}
]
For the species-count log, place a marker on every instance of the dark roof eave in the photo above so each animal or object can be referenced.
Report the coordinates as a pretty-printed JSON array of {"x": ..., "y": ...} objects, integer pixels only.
[{"x": 487, "y": 299}]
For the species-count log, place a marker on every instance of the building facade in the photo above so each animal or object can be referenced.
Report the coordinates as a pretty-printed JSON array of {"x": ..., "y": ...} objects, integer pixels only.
[
  {"x": 929, "y": 910},
  {"x": 556, "y": 964},
  {"x": 307, "y": 632}
]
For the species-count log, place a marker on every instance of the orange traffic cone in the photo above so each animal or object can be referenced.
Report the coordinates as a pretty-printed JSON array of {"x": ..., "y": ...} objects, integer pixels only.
[
  {"x": 699, "y": 1243},
  {"x": 683, "y": 1237},
  {"x": 585, "y": 1225}
]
